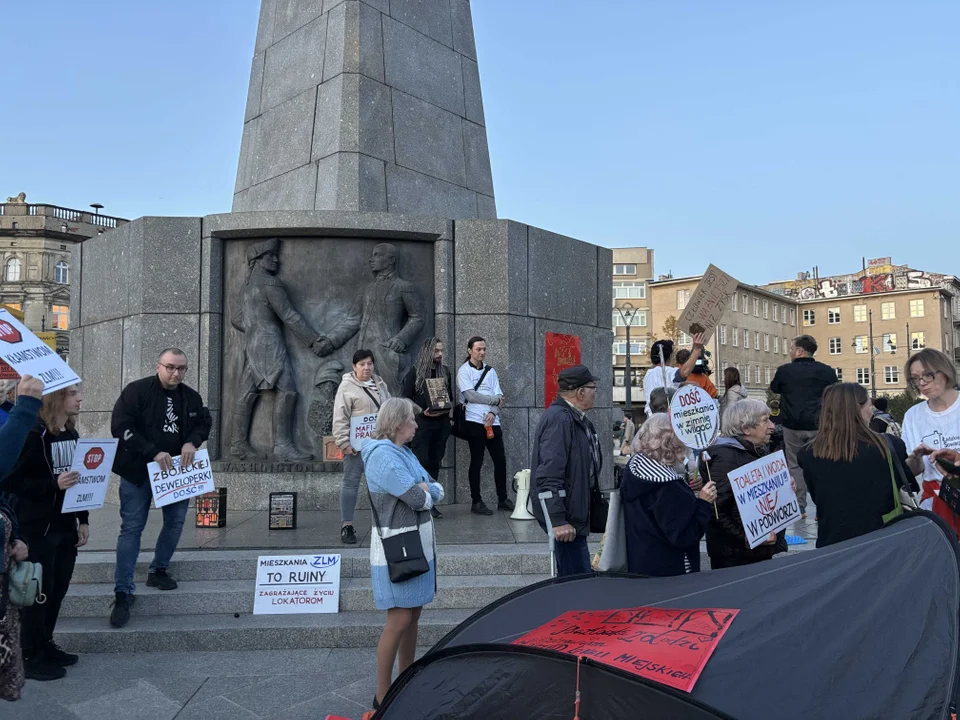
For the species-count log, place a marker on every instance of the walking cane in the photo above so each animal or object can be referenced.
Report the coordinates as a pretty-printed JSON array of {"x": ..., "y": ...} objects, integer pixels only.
[{"x": 546, "y": 518}]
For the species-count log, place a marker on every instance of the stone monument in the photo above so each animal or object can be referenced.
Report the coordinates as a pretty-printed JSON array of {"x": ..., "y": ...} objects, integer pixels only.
[{"x": 363, "y": 216}]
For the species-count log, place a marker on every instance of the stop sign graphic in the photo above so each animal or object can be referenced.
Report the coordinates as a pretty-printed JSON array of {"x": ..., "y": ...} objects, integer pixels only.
[
  {"x": 93, "y": 458},
  {"x": 8, "y": 333}
]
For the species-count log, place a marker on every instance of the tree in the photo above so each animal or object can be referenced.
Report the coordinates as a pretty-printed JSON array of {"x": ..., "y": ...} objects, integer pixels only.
[
  {"x": 897, "y": 405},
  {"x": 670, "y": 330}
]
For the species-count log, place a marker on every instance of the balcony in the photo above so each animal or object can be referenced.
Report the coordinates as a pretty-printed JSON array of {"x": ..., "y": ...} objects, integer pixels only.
[{"x": 55, "y": 212}]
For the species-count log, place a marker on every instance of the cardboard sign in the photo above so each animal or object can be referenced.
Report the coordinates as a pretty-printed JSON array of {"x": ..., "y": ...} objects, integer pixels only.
[
  {"x": 27, "y": 354},
  {"x": 331, "y": 451},
  {"x": 439, "y": 393},
  {"x": 361, "y": 429},
  {"x": 296, "y": 584},
  {"x": 709, "y": 300},
  {"x": 765, "y": 497},
  {"x": 181, "y": 483},
  {"x": 93, "y": 459},
  {"x": 695, "y": 417},
  {"x": 560, "y": 352},
  {"x": 670, "y": 647},
  {"x": 7, "y": 372}
]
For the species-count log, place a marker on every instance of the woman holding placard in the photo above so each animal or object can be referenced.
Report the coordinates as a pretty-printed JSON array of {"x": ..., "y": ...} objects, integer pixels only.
[
  {"x": 746, "y": 431},
  {"x": 664, "y": 519}
]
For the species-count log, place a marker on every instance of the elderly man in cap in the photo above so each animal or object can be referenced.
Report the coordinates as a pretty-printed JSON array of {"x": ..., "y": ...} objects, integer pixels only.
[
  {"x": 566, "y": 456},
  {"x": 261, "y": 309}
]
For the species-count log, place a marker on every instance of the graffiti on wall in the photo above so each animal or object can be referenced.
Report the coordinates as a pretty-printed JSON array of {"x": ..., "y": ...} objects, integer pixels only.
[{"x": 871, "y": 281}]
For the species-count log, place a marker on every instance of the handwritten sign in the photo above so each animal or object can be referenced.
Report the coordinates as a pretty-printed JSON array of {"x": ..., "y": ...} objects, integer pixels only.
[
  {"x": 695, "y": 417},
  {"x": 560, "y": 352},
  {"x": 765, "y": 497},
  {"x": 709, "y": 300},
  {"x": 361, "y": 429},
  {"x": 181, "y": 483},
  {"x": 93, "y": 459},
  {"x": 296, "y": 584},
  {"x": 670, "y": 647},
  {"x": 26, "y": 354}
]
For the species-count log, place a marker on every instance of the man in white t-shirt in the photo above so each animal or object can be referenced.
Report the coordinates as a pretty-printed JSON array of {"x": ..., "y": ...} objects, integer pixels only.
[{"x": 663, "y": 373}]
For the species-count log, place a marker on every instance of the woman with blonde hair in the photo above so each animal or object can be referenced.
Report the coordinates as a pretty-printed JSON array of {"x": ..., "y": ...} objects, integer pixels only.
[
  {"x": 401, "y": 496},
  {"x": 664, "y": 518}
]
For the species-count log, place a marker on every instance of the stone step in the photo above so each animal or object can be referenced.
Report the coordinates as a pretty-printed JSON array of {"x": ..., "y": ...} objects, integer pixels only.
[
  {"x": 182, "y": 633},
  {"x": 218, "y": 597}
]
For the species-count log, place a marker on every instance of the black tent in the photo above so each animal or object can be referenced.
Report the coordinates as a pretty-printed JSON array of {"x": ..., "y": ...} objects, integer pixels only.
[{"x": 867, "y": 628}]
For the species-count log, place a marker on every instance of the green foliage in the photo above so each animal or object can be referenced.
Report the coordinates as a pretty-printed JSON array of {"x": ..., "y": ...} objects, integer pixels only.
[
  {"x": 897, "y": 405},
  {"x": 671, "y": 331}
]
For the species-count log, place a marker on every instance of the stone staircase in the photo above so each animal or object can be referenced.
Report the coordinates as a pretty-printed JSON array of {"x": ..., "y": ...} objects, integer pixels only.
[{"x": 212, "y": 608}]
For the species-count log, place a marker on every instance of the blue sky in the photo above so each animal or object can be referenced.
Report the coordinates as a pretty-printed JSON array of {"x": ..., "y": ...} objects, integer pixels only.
[{"x": 766, "y": 137}]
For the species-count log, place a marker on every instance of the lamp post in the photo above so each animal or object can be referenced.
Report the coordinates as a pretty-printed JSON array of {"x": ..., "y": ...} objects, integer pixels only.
[
  {"x": 627, "y": 313},
  {"x": 873, "y": 355}
]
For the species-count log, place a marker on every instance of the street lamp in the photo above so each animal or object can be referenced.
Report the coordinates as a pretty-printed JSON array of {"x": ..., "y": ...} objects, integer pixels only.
[
  {"x": 627, "y": 312},
  {"x": 97, "y": 207},
  {"x": 873, "y": 353}
]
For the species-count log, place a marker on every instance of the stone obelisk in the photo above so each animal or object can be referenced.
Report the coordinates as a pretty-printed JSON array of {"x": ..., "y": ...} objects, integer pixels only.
[{"x": 365, "y": 105}]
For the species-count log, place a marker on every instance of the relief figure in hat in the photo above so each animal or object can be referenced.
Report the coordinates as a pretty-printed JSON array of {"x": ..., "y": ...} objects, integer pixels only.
[{"x": 261, "y": 310}]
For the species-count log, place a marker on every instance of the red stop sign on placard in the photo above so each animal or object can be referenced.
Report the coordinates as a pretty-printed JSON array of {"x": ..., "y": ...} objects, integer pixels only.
[
  {"x": 8, "y": 333},
  {"x": 93, "y": 458}
]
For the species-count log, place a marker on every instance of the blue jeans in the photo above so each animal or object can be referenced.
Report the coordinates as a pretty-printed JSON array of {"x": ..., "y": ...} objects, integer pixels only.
[
  {"x": 573, "y": 558},
  {"x": 134, "y": 508}
]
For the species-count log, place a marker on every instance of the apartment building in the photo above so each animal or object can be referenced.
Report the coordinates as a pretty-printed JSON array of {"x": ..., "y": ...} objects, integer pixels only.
[{"x": 632, "y": 271}]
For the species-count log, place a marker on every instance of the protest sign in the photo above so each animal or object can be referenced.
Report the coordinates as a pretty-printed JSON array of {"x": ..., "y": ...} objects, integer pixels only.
[
  {"x": 670, "y": 647},
  {"x": 294, "y": 584},
  {"x": 27, "y": 354},
  {"x": 181, "y": 483},
  {"x": 709, "y": 300},
  {"x": 361, "y": 429},
  {"x": 765, "y": 497},
  {"x": 7, "y": 372},
  {"x": 93, "y": 459},
  {"x": 695, "y": 417},
  {"x": 559, "y": 353}
]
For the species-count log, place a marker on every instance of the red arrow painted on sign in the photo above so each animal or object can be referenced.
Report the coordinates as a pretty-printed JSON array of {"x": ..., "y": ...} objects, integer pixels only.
[{"x": 9, "y": 334}]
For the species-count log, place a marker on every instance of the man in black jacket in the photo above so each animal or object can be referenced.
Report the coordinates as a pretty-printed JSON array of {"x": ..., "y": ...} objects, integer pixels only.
[
  {"x": 800, "y": 385},
  {"x": 566, "y": 456},
  {"x": 155, "y": 419}
]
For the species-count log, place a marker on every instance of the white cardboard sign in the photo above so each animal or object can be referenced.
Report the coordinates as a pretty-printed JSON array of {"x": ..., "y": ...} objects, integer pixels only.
[
  {"x": 29, "y": 355},
  {"x": 181, "y": 483},
  {"x": 764, "y": 496},
  {"x": 361, "y": 429},
  {"x": 296, "y": 584},
  {"x": 93, "y": 459},
  {"x": 695, "y": 417}
]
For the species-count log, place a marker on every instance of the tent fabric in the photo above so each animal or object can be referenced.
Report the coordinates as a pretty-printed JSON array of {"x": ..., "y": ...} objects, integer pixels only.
[{"x": 867, "y": 628}]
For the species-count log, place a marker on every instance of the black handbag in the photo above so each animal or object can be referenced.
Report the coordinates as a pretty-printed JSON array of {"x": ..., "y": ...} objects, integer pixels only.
[
  {"x": 459, "y": 428},
  {"x": 599, "y": 508},
  {"x": 403, "y": 552}
]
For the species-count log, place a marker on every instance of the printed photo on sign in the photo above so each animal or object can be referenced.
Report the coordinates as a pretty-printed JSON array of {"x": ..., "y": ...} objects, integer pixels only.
[
  {"x": 765, "y": 497},
  {"x": 181, "y": 483},
  {"x": 93, "y": 459},
  {"x": 712, "y": 296},
  {"x": 26, "y": 354},
  {"x": 295, "y": 584},
  {"x": 361, "y": 430},
  {"x": 695, "y": 417}
]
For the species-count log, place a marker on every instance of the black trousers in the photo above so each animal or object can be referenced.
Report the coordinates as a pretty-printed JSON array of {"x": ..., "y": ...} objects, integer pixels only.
[
  {"x": 430, "y": 443},
  {"x": 477, "y": 439},
  {"x": 57, "y": 554}
]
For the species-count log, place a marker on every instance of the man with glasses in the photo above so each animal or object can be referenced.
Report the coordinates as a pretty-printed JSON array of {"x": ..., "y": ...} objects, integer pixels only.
[
  {"x": 156, "y": 419},
  {"x": 566, "y": 457}
]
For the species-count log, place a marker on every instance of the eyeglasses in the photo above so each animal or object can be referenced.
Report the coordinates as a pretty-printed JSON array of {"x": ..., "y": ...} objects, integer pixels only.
[
  {"x": 589, "y": 387},
  {"x": 174, "y": 368},
  {"x": 925, "y": 379}
]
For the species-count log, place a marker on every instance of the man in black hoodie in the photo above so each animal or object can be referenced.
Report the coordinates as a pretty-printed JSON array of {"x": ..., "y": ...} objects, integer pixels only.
[
  {"x": 39, "y": 480},
  {"x": 156, "y": 419}
]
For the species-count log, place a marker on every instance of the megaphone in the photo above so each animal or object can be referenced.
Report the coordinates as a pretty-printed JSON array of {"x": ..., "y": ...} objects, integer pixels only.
[{"x": 521, "y": 485}]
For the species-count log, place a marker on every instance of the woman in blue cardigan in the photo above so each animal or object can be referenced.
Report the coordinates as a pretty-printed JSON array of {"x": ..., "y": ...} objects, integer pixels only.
[
  {"x": 664, "y": 519},
  {"x": 401, "y": 496}
]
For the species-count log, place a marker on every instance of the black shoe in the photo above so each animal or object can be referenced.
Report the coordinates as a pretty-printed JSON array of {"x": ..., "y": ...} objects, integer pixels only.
[
  {"x": 348, "y": 536},
  {"x": 161, "y": 581},
  {"x": 53, "y": 654},
  {"x": 505, "y": 504},
  {"x": 478, "y": 508},
  {"x": 436, "y": 513},
  {"x": 120, "y": 615},
  {"x": 42, "y": 671}
]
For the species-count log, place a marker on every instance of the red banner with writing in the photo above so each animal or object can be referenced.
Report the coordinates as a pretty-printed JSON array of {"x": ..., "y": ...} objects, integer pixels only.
[
  {"x": 561, "y": 351},
  {"x": 670, "y": 647},
  {"x": 7, "y": 372}
]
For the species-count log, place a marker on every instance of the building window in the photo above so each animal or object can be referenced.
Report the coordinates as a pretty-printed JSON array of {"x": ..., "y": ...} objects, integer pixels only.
[
  {"x": 746, "y": 374},
  {"x": 835, "y": 346},
  {"x": 916, "y": 308},
  {"x": 746, "y": 339},
  {"x": 888, "y": 311},
  {"x": 60, "y": 274},
  {"x": 685, "y": 339},
  {"x": 833, "y": 316},
  {"x": 776, "y": 343},
  {"x": 11, "y": 271},
  {"x": 776, "y": 312},
  {"x": 890, "y": 342},
  {"x": 756, "y": 307},
  {"x": 624, "y": 269},
  {"x": 630, "y": 290},
  {"x": 786, "y": 347},
  {"x": 61, "y": 317},
  {"x": 917, "y": 341},
  {"x": 840, "y": 374},
  {"x": 783, "y": 314},
  {"x": 683, "y": 297},
  {"x": 636, "y": 348},
  {"x": 766, "y": 374},
  {"x": 809, "y": 318},
  {"x": 723, "y": 334},
  {"x": 745, "y": 302},
  {"x": 863, "y": 376},
  {"x": 793, "y": 317},
  {"x": 638, "y": 319},
  {"x": 766, "y": 310},
  {"x": 756, "y": 370},
  {"x": 15, "y": 306},
  {"x": 891, "y": 374},
  {"x": 736, "y": 337},
  {"x": 859, "y": 313},
  {"x": 733, "y": 302},
  {"x": 766, "y": 343},
  {"x": 756, "y": 340},
  {"x": 860, "y": 344}
]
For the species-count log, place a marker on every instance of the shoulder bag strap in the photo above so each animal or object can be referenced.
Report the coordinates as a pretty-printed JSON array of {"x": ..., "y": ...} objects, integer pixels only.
[
  {"x": 376, "y": 518},
  {"x": 370, "y": 394},
  {"x": 897, "y": 506},
  {"x": 482, "y": 376}
]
